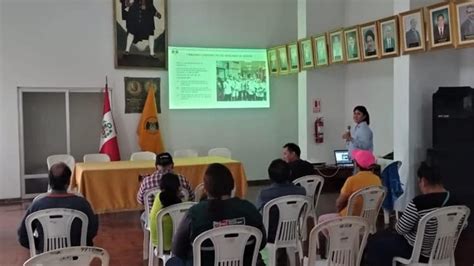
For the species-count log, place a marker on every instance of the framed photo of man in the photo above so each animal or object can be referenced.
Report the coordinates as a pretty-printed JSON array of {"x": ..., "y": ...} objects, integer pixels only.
[
  {"x": 412, "y": 31},
  {"x": 283, "y": 67},
  {"x": 293, "y": 57},
  {"x": 336, "y": 50},
  {"x": 388, "y": 32},
  {"x": 464, "y": 18},
  {"x": 352, "y": 44},
  {"x": 321, "y": 50},
  {"x": 140, "y": 34},
  {"x": 370, "y": 41},
  {"x": 440, "y": 26},
  {"x": 306, "y": 53},
  {"x": 272, "y": 61}
]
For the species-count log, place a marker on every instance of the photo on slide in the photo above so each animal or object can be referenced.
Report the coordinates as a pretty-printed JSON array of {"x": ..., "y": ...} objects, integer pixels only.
[{"x": 241, "y": 81}]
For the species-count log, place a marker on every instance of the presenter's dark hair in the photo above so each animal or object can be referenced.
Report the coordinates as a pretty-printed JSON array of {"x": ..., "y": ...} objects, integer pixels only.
[
  {"x": 429, "y": 173},
  {"x": 59, "y": 176},
  {"x": 218, "y": 182},
  {"x": 279, "y": 171},
  {"x": 369, "y": 33},
  {"x": 169, "y": 186},
  {"x": 364, "y": 111},
  {"x": 293, "y": 148}
]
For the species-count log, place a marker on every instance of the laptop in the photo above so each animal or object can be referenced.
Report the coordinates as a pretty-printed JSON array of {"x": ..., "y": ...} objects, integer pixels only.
[{"x": 342, "y": 158}]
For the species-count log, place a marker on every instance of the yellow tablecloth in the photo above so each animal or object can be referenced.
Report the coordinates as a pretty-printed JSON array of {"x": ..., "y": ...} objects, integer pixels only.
[{"x": 113, "y": 186}]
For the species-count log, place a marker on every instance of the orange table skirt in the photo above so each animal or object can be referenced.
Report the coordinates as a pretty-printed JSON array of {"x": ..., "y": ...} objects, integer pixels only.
[{"x": 113, "y": 186}]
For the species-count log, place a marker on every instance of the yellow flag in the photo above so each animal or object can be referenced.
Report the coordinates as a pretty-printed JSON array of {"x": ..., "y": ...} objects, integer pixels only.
[{"x": 148, "y": 131}]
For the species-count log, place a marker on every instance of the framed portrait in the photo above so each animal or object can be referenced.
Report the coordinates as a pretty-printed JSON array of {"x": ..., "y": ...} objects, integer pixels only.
[
  {"x": 440, "y": 26},
  {"x": 336, "y": 50},
  {"x": 388, "y": 32},
  {"x": 136, "y": 91},
  {"x": 293, "y": 57},
  {"x": 352, "y": 44},
  {"x": 464, "y": 20},
  {"x": 272, "y": 61},
  {"x": 321, "y": 50},
  {"x": 283, "y": 67},
  {"x": 370, "y": 41},
  {"x": 140, "y": 34},
  {"x": 412, "y": 31},
  {"x": 306, "y": 53}
]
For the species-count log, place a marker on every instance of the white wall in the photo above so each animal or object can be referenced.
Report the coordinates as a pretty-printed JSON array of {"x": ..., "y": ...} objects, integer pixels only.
[{"x": 69, "y": 43}]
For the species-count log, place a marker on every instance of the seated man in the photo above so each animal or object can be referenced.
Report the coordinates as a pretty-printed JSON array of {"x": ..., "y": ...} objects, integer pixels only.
[
  {"x": 433, "y": 196},
  {"x": 364, "y": 162},
  {"x": 299, "y": 167},
  {"x": 58, "y": 197},
  {"x": 164, "y": 164}
]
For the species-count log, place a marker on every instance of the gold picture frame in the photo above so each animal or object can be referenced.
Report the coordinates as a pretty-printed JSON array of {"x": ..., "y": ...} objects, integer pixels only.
[
  {"x": 293, "y": 57},
  {"x": 464, "y": 23},
  {"x": 337, "y": 54},
  {"x": 283, "y": 66},
  {"x": 389, "y": 37},
  {"x": 352, "y": 44},
  {"x": 320, "y": 45},
  {"x": 306, "y": 53},
  {"x": 272, "y": 61},
  {"x": 412, "y": 31},
  {"x": 440, "y": 26},
  {"x": 369, "y": 40}
]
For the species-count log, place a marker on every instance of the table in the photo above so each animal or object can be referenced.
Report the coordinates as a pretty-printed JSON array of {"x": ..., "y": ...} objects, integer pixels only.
[
  {"x": 113, "y": 186},
  {"x": 334, "y": 176}
]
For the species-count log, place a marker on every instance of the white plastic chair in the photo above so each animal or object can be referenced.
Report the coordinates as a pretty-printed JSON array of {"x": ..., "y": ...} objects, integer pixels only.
[
  {"x": 71, "y": 256},
  {"x": 313, "y": 184},
  {"x": 292, "y": 217},
  {"x": 96, "y": 157},
  {"x": 176, "y": 212},
  {"x": 185, "y": 153},
  {"x": 221, "y": 152},
  {"x": 372, "y": 198},
  {"x": 147, "y": 202},
  {"x": 199, "y": 192},
  {"x": 143, "y": 156},
  {"x": 229, "y": 244},
  {"x": 346, "y": 238},
  {"x": 450, "y": 221},
  {"x": 56, "y": 224},
  {"x": 65, "y": 158}
]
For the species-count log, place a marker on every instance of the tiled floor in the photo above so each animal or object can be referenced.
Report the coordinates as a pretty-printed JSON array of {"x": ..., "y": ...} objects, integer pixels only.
[{"x": 121, "y": 235}]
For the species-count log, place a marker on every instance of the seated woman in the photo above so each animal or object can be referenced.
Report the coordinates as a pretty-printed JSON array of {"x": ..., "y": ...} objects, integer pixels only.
[
  {"x": 219, "y": 209},
  {"x": 169, "y": 195},
  {"x": 434, "y": 196}
]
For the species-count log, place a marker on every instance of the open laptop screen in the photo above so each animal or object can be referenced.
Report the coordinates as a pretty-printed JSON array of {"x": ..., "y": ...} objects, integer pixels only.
[{"x": 343, "y": 158}]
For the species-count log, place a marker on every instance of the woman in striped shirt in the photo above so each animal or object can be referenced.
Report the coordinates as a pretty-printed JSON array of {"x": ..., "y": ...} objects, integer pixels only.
[{"x": 385, "y": 245}]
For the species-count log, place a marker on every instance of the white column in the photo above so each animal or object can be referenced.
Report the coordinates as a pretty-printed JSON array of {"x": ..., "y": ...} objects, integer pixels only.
[{"x": 302, "y": 87}]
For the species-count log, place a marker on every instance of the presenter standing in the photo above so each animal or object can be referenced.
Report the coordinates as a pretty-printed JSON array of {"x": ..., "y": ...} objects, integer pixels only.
[{"x": 360, "y": 136}]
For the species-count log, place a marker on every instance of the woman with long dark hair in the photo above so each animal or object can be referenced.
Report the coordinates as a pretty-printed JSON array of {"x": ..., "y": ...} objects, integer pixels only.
[
  {"x": 219, "y": 209},
  {"x": 169, "y": 195},
  {"x": 359, "y": 137}
]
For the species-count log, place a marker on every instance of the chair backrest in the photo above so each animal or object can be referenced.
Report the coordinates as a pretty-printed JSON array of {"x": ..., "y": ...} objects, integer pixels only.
[
  {"x": 371, "y": 198},
  {"x": 185, "y": 153},
  {"x": 229, "y": 244},
  {"x": 199, "y": 192},
  {"x": 56, "y": 224},
  {"x": 346, "y": 237},
  {"x": 65, "y": 158},
  {"x": 221, "y": 152},
  {"x": 143, "y": 156},
  {"x": 71, "y": 256},
  {"x": 292, "y": 216},
  {"x": 148, "y": 199},
  {"x": 176, "y": 212},
  {"x": 313, "y": 184},
  {"x": 96, "y": 157},
  {"x": 449, "y": 222}
]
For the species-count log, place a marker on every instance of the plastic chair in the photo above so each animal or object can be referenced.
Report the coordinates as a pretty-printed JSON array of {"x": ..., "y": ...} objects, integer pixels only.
[
  {"x": 96, "y": 157},
  {"x": 56, "y": 224},
  {"x": 147, "y": 202},
  {"x": 176, "y": 212},
  {"x": 221, "y": 152},
  {"x": 185, "y": 153},
  {"x": 143, "y": 156},
  {"x": 313, "y": 184},
  {"x": 346, "y": 238},
  {"x": 65, "y": 158},
  {"x": 450, "y": 221},
  {"x": 229, "y": 244},
  {"x": 72, "y": 256},
  {"x": 372, "y": 198},
  {"x": 292, "y": 216},
  {"x": 199, "y": 192}
]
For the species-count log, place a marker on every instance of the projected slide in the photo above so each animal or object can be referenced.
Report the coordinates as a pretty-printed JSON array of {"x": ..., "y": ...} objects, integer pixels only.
[{"x": 206, "y": 78}]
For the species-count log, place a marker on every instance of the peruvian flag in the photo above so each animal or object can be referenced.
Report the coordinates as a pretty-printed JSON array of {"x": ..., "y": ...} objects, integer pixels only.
[{"x": 108, "y": 138}]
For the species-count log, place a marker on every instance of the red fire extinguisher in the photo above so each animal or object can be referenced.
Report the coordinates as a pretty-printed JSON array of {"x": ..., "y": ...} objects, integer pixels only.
[{"x": 318, "y": 130}]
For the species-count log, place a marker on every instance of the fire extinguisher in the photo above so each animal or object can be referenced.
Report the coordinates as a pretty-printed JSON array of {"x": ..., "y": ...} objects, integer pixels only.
[{"x": 318, "y": 130}]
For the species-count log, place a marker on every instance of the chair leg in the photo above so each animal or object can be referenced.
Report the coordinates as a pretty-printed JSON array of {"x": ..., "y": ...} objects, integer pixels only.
[
  {"x": 151, "y": 254},
  {"x": 146, "y": 240},
  {"x": 271, "y": 254},
  {"x": 386, "y": 216},
  {"x": 291, "y": 252}
]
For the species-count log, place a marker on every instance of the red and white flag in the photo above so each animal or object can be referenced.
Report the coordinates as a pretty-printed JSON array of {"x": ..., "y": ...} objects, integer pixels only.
[{"x": 108, "y": 138}]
